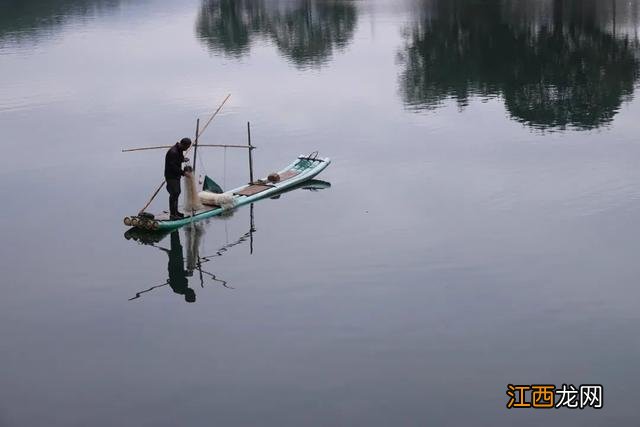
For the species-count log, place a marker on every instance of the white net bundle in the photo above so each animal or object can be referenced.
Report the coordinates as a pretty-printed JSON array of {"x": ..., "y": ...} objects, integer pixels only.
[
  {"x": 224, "y": 200},
  {"x": 191, "y": 199}
]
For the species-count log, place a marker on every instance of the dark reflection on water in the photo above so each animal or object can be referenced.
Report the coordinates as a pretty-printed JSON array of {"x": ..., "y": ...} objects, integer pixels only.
[
  {"x": 183, "y": 266},
  {"x": 177, "y": 273},
  {"x": 180, "y": 267},
  {"x": 306, "y": 32},
  {"x": 24, "y": 21},
  {"x": 557, "y": 64}
]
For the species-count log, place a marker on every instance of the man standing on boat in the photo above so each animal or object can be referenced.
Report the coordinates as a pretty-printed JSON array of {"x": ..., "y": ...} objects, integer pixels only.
[{"x": 173, "y": 172}]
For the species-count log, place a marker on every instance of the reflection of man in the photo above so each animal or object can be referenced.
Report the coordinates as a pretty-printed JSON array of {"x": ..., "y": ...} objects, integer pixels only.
[{"x": 177, "y": 274}]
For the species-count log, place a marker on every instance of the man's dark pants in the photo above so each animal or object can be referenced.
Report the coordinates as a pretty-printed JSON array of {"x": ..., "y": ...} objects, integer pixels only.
[{"x": 173, "y": 187}]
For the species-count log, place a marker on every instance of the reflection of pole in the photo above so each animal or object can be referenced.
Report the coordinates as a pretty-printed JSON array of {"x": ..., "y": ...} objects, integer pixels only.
[
  {"x": 200, "y": 270},
  {"x": 139, "y": 294},
  {"x": 251, "y": 229},
  {"x": 250, "y": 153}
]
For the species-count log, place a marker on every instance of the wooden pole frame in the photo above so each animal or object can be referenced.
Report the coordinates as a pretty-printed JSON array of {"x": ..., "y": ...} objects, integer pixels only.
[
  {"x": 195, "y": 145},
  {"x": 250, "y": 153},
  {"x": 160, "y": 147},
  {"x": 203, "y": 129}
]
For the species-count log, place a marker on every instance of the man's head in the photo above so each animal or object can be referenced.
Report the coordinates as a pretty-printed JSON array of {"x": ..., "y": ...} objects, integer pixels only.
[{"x": 185, "y": 143}]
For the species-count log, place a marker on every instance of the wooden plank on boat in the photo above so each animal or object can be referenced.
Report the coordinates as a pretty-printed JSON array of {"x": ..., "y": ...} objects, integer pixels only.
[
  {"x": 288, "y": 174},
  {"x": 164, "y": 215},
  {"x": 253, "y": 189}
]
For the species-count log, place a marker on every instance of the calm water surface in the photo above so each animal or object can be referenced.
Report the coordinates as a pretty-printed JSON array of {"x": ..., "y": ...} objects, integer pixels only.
[{"x": 481, "y": 227}]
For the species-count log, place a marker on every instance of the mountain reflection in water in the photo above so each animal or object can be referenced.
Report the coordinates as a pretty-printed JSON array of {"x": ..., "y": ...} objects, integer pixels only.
[{"x": 27, "y": 21}]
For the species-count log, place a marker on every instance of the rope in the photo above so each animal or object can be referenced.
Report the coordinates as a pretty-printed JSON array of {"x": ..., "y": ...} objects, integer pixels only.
[{"x": 203, "y": 169}]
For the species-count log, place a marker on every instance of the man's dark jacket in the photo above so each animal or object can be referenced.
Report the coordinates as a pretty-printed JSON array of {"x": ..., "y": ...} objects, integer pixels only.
[{"x": 173, "y": 163}]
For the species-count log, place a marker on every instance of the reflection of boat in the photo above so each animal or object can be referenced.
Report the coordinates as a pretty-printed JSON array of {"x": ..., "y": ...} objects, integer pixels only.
[
  {"x": 181, "y": 267},
  {"x": 311, "y": 185},
  {"x": 314, "y": 185},
  {"x": 299, "y": 172},
  {"x": 177, "y": 274},
  {"x": 147, "y": 237},
  {"x": 151, "y": 237}
]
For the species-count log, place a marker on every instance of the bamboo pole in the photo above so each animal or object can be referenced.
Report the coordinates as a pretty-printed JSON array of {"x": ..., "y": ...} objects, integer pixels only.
[
  {"x": 159, "y": 147},
  {"x": 227, "y": 146},
  {"x": 195, "y": 146},
  {"x": 250, "y": 153},
  {"x": 152, "y": 197},
  {"x": 193, "y": 171},
  {"x": 215, "y": 114}
]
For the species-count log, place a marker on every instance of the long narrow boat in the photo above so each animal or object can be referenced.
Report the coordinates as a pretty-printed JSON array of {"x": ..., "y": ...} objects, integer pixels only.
[{"x": 302, "y": 169}]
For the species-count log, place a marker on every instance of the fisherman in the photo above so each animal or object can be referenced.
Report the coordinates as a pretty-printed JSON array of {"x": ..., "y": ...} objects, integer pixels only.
[{"x": 173, "y": 172}]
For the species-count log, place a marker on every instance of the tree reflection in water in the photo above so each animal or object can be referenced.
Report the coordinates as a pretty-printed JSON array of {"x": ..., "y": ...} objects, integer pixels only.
[
  {"x": 30, "y": 21},
  {"x": 306, "y": 32},
  {"x": 556, "y": 63}
]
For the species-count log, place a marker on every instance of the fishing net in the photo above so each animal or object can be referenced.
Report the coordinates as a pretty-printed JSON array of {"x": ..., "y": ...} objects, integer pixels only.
[
  {"x": 191, "y": 199},
  {"x": 194, "y": 235},
  {"x": 224, "y": 200}
]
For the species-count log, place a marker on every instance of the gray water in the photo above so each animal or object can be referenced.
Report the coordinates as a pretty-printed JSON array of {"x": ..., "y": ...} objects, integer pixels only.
[{"x": 479, "y": 230}]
